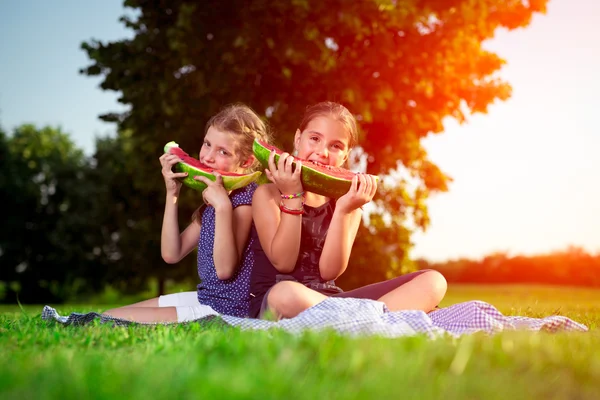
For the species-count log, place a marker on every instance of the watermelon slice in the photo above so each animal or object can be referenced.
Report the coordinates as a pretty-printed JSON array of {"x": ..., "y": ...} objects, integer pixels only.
[
  {"x": 194, "y": 167},
  {"x": 326, "y": 180}
]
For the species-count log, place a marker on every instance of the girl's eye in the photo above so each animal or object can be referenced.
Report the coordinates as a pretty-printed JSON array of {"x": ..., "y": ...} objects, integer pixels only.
[
  {"x": 314, "y": 138},
  {"x": 206, "y": 144},
  {"x": 224, "y": 153}
]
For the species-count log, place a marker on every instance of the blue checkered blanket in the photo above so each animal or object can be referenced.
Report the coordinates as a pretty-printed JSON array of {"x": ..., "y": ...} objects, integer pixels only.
[{"x": 360, "y": 317}]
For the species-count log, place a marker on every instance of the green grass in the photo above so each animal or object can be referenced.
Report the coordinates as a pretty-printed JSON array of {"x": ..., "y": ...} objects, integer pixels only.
[{"x": 47, "y": 360}]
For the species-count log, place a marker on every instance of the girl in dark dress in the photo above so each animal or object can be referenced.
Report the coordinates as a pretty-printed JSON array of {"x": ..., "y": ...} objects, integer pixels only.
[{"x": 302, "y": 241}]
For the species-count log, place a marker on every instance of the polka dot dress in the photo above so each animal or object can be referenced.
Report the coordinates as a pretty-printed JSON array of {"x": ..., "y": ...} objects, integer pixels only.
[{"x": 231, "y": 296}]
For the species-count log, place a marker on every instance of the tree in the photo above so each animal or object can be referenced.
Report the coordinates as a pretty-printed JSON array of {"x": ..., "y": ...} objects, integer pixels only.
[
  {"x": 130, "y": 246},
  {"x": 47, "y": 241},
  {"x": 572, "y": 266},
  {"x": 401, "y": 67}
]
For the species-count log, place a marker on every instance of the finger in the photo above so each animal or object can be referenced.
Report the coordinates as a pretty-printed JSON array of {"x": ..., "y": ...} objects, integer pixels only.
[
  {"x": 218, "y": 178},
  {"x": 363, "y": 183},
  {"x": 288, "y": 164},
  {"x": 273, "y": 165},
  {"x": 358, "y": 183},
  {"x": 282, "y": 158},
  {"x": 174, "y": 160},
  {"x": 203, "y": 179},
  {"x": 168, "y": 156},
  {"x": 164, "y": 160},
  {"x": 204, "y": 198},
  {"x": 272, "y": 161},
  {"x": 167, "y": 163},
  {"x": 368, "y": 184},
  {"x": 354, "y": 185},
  {"x": 167, "y": 171},
  {"x": 369, "y": 180},
  {"x": 179, "y": 175},
  {"x": 298, "y": 171},
  {"x": 269, "y": 175},
  {"x": 374, "y": 186}
]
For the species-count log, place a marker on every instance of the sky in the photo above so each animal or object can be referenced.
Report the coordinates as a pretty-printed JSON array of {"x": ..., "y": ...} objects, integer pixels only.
[{"x": 525, "y": 175}]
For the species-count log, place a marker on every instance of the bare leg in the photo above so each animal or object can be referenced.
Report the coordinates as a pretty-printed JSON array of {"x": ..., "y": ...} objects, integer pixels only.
[
  {"x": 144, "y": 314},
  {"x": 377, "y": 290},
  {"x": 424, "y": 293},
  {"x": 145, "y": 303},
  {"x": 288, "y": 299},
  {"x": 144, "y": 311},
  {"x": 421, "y": 291},
  {"x": 173, "y": 299}
]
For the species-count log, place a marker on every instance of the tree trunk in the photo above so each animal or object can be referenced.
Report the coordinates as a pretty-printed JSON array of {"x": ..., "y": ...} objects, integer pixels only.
[{"x": 161, "y": 285}]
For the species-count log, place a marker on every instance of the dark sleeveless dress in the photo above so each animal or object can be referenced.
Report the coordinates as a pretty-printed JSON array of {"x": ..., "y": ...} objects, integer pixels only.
[{"x": 315, "y": 224}]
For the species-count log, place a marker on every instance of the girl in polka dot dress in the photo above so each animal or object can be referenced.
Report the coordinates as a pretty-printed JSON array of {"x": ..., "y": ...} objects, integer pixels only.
[{"x": 220, "y": 230}]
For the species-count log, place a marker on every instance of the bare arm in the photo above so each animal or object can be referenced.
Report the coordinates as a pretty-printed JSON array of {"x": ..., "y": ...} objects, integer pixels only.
[
  {"x": 338, "y": 244},
  {"x": 173, "y": 246},
  {"x": 344, "y": 226},
  {"x": 279, "y": 233},
  {"x": 232, "y": 228}
]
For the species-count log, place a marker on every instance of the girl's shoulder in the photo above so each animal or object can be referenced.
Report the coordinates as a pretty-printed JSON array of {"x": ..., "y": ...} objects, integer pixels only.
[{"x": 267, "y": 190}]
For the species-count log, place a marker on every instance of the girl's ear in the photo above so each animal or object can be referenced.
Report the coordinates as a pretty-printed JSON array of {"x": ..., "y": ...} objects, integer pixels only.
[
  {"x": 345, "y": 164},
  {"x": 346, "y": 157},
  {"x": 249, "y": 162},
  {"x": 297, "y": 140}
]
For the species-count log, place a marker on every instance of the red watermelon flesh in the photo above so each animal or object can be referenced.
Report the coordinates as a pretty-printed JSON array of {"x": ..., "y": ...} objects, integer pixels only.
[{"x": 193, "y": 162}]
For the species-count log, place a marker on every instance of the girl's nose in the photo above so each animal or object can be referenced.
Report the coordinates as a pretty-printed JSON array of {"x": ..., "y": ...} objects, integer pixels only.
[
  {"x": 323, "y": 152},
  {"x": 209, "y": 156}
]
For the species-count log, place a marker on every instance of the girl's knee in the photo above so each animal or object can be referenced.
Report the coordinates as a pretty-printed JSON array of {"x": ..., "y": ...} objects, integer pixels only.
[
  {"x": 288, "y": 298},
  {"x": 436, "y": 282},
  {"x": 282, "y": 296},
  {"x": 284, "y": 291}
]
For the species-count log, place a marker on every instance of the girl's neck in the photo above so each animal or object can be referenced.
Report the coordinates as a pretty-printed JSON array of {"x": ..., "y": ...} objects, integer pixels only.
[{"x": 314, "y": 200}]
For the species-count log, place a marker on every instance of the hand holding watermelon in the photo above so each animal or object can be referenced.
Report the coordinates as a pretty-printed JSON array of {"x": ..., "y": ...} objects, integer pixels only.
[
  {"x": 361, "y": 192},
  {"x": 283, "y": 175},
  {"x": 215, "y": 194},
  {"x": 171, "y": 178}
]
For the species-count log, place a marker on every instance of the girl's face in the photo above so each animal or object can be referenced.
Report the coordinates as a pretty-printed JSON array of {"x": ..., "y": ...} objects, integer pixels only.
[
  {"x": 324, "y": 140},
  {"x": 219, "y": 151}
]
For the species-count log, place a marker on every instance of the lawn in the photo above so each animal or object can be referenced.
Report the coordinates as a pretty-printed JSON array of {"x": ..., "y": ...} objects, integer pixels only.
[{"x": 47, "y": 360}]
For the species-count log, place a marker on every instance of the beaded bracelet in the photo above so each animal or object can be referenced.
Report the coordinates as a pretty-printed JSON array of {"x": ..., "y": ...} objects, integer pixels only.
[
  {"x": 292, "y": 196},
  {"x": 291, "y": 211}
]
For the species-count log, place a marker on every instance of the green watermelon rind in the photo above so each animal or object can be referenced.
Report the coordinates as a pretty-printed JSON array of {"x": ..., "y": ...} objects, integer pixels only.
[
  {"x": 313, "y": 180},
  {"x": 229, "y": 182}
]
